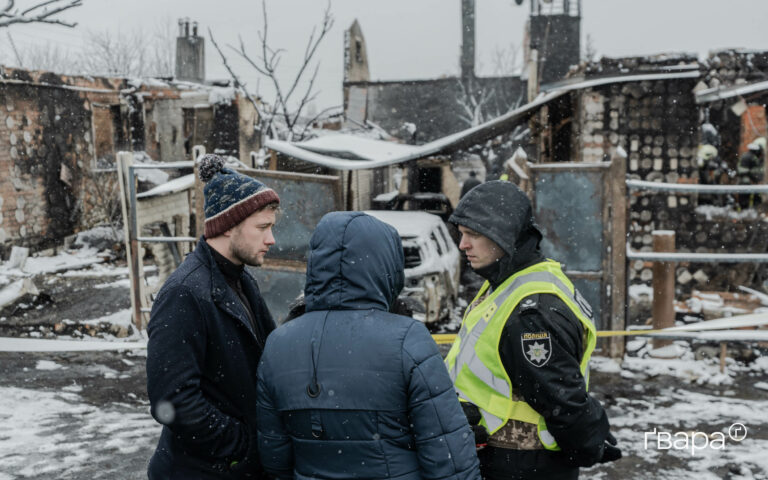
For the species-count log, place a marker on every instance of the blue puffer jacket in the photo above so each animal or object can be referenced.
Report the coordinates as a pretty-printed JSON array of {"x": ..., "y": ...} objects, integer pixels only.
[{"x": 349, "y": 390}]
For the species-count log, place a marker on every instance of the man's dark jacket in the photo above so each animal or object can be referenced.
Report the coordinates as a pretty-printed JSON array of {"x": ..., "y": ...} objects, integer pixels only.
[
  {"x": 203, "y": 353},
  {"x": 555, "y": 389},
  {"x": 348, "y": 390}
]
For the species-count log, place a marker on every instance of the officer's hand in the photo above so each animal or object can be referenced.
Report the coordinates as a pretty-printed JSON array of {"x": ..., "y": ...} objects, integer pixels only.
[
  {"x": 481, "y": 436},
  {"x": 611, "y": 453},
  {"x": 471, "y": 412},
  {"x": 473, "y": 418}
]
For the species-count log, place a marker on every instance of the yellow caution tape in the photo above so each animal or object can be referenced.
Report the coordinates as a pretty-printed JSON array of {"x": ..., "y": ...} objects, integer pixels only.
[
  {"x": 447, "y": 338},
  {"x": 444, "y": 338}
]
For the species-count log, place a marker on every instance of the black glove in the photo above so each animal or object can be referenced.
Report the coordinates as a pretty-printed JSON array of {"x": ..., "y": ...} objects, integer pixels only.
[
  {"x": 248, "y": 466},
  {"x": 481, "y": 436},
  {"x": 473, "y": 417},
  {"x": 610, "y": 452}
]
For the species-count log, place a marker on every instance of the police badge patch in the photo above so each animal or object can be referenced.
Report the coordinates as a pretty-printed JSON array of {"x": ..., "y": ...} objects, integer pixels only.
[{"x": 537, "y": 348}]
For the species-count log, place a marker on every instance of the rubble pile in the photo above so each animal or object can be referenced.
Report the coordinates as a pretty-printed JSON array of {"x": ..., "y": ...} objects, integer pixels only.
[{"x": 656, "y": 122}]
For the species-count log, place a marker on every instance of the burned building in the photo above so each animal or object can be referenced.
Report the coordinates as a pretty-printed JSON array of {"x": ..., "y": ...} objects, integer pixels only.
[
  {"x": 653, "y": 108},
  {"x": 419, "y": 111},
  {"x": 59, "y": 135}
]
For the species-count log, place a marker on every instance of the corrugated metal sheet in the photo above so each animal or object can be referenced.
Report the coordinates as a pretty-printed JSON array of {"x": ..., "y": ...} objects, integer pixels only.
[{"x": 569, "y": 211}]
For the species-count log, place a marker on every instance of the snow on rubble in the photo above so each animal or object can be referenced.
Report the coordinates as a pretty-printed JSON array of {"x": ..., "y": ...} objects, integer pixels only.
[
  {"x": 680, "y": 397},
  {"x": 50, "y": 297},
  {"x": 54, "y": 434}
]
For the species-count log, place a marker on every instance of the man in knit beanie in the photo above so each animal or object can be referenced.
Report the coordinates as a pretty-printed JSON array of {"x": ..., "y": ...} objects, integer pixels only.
[{"x": 207, "y": 330}]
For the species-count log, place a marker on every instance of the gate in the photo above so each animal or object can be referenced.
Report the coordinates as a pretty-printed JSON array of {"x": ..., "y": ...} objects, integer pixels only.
[
  {"x": 581, "y": 211},
  {"x": 304, "y": 199}
]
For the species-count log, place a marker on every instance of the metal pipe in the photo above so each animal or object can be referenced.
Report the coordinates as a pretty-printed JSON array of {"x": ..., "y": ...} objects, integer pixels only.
[
  {"x": 162, "y": 166},
  {"x": 166, "y": 239},
  {"x": 698, "y": 257},
  {"x": 694, "y": 187}
]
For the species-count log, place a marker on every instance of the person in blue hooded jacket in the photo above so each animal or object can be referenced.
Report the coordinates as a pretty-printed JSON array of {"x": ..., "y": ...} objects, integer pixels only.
[{"x": 349, "y": 390}]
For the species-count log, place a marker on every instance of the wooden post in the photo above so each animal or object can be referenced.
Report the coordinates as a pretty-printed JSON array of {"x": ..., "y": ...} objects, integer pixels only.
[
  {"x": 124, "y": 160},
  {"x": 197, "y": 152},
  {"x": 663, "y": 285},
  {"x": 272, "y": 160},
  {"x": 723, "y": 354},
  {"x": 618, "y": 257}
]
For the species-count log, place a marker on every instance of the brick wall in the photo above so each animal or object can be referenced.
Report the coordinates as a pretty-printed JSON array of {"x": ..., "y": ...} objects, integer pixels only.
[
  {"x": 657, "y": 124},
  {"x": 44, "y": 145},
  {"x": 753, "y": 125}
]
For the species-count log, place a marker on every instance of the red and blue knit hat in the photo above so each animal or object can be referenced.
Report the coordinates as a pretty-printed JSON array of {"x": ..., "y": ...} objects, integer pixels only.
[{"x": 230, "y": 197}]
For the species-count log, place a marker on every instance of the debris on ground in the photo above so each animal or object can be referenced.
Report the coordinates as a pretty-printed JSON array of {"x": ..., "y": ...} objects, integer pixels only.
[
  {"x": 17, "y": 291},
  {"x": 99, "y": 238}
]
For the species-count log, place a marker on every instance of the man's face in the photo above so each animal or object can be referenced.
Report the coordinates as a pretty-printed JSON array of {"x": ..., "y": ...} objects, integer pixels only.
[
  {"x": 250, "y": 240},
  {"x": 480, "y": 250}
]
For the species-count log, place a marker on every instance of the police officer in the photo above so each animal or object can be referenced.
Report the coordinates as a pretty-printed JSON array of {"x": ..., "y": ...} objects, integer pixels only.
[
  {"x": 750, "y": 171},
  {"x": 710, "y": 168},
  {"x": 519, "y": 363}
]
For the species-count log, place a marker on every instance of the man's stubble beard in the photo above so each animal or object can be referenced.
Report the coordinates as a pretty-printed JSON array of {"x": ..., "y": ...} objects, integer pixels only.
[{"x": 242, "y": 255}]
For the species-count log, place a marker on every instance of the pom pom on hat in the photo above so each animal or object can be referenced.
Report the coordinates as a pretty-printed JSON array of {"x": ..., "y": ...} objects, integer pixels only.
[{"x": 210, "y": 165}]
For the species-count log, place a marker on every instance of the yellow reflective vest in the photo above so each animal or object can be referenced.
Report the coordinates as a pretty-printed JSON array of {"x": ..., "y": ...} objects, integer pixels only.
[{"x": 474, "y": 362}]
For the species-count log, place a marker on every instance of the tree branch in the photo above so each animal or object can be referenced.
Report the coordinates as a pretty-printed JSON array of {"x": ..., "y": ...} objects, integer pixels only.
[
  {"x": 315, "y": 118},
  {"x": 9, "y": 16},
  {"x": 267, "y": 63},
  {"x": 241, "y": 86}
]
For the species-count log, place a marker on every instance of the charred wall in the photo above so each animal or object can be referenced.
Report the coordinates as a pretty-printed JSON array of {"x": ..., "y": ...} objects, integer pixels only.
[
  {"x": 225, "y": 136},
  {"x": 435, "y": 107},
  {"x": 657, "y": 124},
  {"x": 44, "y": 145}
]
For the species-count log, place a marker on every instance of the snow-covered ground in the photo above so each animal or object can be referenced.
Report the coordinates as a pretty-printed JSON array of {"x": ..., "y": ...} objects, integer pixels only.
[
  {"x": 85, "y": 414},
  {"x": 57, "y": 434},
  {"x": 682, "y": 418}
]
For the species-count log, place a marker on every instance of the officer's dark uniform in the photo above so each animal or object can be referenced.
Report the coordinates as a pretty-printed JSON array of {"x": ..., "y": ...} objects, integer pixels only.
[{"x": 555, "y": 388}]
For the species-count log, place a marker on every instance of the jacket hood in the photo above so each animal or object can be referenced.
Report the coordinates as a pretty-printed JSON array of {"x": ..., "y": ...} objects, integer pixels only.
[
  {"x": 502, "y": 212},
  {"x": 355, "y": 262}
]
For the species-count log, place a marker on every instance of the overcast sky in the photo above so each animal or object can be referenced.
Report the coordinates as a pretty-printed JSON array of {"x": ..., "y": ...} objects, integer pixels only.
[{"x": 412, "y": 39}]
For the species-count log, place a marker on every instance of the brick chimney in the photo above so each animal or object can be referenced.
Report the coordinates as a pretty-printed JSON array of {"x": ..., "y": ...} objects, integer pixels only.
[{"x": 190, "y": 53}]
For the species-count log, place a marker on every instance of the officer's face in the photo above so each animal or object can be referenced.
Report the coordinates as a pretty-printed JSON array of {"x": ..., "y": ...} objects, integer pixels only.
[
  {"x": 480, "y": 250},
  {"x": 250, "y": 240}
]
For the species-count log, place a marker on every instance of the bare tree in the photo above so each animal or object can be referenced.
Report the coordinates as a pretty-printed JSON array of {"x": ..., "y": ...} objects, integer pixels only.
[
  {"x": 266, "y": 63},
  {"x": 128, "y": 54},
  {"x": 505, "y": 60},
  {"x": 50, "y": 56},
  {"x": 590, "y": 52},
  {"x": 39, "y": 12},
  {"x": 119, "y": 54},
  {"x": 473, "y": 102},
  {"x": 133, "y": 53},
  {"x": 162, "y": 49}
]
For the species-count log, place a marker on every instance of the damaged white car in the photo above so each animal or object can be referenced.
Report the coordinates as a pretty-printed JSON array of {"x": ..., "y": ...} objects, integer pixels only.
[{"x": 431, "y": 263}]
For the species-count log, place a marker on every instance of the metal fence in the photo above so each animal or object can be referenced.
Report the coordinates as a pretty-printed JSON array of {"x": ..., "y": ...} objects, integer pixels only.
[{"x": 695, "y": 257}]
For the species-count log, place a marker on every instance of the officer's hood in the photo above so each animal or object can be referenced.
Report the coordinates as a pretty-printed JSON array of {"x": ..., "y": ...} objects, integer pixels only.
[
  {"x": 355, "y": 263},
  {"x": 502, "y": 212}
]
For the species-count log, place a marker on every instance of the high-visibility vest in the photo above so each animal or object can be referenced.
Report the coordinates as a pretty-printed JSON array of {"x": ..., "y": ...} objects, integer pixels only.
[{"x": 474, "y": 362}]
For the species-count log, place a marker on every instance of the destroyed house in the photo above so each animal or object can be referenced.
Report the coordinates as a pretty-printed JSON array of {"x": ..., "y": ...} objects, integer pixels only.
[
  {"x": 419, "y": 111},
  {"x": 59, "y": 135},
  {"x": 582, "y": 139}
]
